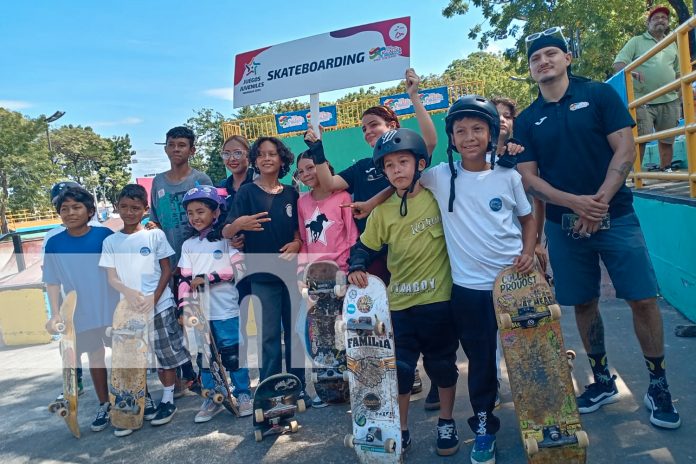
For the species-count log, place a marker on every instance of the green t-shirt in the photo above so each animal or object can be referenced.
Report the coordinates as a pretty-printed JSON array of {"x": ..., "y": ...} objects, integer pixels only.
[
  {"x": 659, "y": 70},
  {"x": 417, "y": 258}
]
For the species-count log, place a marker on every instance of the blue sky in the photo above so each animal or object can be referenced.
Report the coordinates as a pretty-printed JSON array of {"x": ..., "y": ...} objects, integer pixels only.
[{"x": 142, "y": 67}]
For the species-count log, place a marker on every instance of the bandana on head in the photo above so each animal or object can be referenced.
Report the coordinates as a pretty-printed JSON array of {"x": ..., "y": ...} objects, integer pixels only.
[{"x": 546, "y": 41}]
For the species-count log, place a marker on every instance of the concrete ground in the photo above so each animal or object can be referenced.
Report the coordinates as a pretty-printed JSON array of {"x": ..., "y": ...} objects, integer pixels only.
[{"x": 30, "y": 379}]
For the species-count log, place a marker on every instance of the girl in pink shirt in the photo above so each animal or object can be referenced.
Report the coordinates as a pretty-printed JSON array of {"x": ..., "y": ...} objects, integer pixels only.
[{"x": 327, "y": 230}]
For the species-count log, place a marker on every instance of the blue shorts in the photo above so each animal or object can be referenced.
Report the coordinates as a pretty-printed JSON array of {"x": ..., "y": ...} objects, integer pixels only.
[{"x": 622, "y": 249}]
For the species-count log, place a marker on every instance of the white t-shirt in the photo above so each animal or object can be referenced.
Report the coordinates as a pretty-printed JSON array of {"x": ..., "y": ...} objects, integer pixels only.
[
  {"x": 481, "y": 234},
  {"x": 94, "y": 222},
  {"x": 206, "y": 257},
  {"x": 136, "y": 260}
]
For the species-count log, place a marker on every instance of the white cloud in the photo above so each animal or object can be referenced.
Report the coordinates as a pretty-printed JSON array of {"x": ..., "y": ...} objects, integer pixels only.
[
  {"x": 224, "y": 93},
  {"x": 15, "y": 105},
  {"x": 129, "y": 121}
]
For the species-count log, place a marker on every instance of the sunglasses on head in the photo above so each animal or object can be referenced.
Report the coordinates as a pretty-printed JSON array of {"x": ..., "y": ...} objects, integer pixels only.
[{"x": 552, "y": 31}]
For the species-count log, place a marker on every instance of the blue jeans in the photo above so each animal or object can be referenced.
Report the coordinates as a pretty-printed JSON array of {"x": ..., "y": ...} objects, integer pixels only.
[{"x": 226, "y": 334}]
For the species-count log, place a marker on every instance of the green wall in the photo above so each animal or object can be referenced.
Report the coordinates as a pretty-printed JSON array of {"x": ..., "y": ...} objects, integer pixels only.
[
  {"x": 346, "y": 146},
  {"x": 669, "y": 232}
]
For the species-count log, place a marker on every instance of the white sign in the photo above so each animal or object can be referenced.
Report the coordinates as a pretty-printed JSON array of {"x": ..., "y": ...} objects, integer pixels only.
[{"x": 350, "y": 57}]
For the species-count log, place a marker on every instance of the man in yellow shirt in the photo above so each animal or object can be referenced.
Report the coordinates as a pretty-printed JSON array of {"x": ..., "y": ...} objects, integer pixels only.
[{"x": 664, "y": 111}]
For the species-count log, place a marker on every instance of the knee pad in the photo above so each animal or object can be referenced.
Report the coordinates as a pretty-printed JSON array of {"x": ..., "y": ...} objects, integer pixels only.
[
  {"x": 442, "y": 372},
  {"x": 230, "y": 357},
  {"x": 405, "y": 374}
]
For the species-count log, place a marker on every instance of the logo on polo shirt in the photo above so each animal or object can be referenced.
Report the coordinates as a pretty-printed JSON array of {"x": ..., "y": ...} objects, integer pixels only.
[
  {"x": 538, "y": 123},
  {"x": 144, "y": 251},
  {"x": 217, "y": 254},
  {"x": 496, "y": 204},
  {"x": 579, "y": 106}
]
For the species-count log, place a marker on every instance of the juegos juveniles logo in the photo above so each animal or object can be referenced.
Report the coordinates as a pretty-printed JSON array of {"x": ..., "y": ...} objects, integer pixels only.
[{"x": 384, "y": 53}]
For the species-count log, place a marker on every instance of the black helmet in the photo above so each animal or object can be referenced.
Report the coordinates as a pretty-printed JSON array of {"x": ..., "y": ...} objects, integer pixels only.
[
  {"x": 61, "y": 187},
  {"x": 474, "y": 105},
  {"x": 398, "y": 140}
]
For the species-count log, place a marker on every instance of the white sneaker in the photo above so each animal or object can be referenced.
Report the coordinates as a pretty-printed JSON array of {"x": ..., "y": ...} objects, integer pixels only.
[
  {"x": 209, "y": 409},
  {"x": 246, "y": 407}
]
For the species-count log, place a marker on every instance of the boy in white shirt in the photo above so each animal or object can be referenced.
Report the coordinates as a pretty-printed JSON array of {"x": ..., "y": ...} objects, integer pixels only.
[{"x": 137, "y": 262}]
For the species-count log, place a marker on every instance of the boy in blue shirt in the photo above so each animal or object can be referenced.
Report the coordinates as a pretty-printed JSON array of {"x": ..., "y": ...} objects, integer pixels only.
[{"x": 72, "y": 261}]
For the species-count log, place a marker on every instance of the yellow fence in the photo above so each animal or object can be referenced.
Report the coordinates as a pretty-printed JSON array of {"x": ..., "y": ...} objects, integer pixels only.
[
  {"x": 347, "y": 114},
  {"x": 683, "y": 83},
  {"x": 28, "y": 218}
]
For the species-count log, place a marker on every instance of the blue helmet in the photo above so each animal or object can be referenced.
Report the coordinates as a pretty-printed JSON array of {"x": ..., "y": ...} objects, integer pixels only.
[{"x": 205, "y": 193}]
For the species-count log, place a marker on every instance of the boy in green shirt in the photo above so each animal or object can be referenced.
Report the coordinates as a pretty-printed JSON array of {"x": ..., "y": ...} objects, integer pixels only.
[{"x": 409, "y": 224}]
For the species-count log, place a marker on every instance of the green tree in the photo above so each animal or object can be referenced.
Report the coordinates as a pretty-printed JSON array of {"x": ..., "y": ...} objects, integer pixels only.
[
  {"x": 24, "y": 163},
  {"x": 115, "y": 172},
  {"x": 596, "y": 29},
  {"x": 207, "y": 125}
]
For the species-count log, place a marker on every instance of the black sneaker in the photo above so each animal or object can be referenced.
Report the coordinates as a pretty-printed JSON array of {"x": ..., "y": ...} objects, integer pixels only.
[
  {"x": 417, "y": 384},
  {"x": 432, "y": 401},
  {"x": 597, "y": 395},
  {"x": 662, "y": 411},
  {"x": 165, "y": 412},
  {"x": 150, "y": 408},
  {"x": 102, "y": 419},
  {"x": 405, "y": 440},
  {"x": 447, "y": 438}
]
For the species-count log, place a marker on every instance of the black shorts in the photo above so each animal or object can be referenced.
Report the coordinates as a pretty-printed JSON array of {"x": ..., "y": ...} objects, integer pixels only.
[
  {"x": 91, "y": 340},
  {"x": 427, "y": 329},
  {"x": 473, "y": 313}
]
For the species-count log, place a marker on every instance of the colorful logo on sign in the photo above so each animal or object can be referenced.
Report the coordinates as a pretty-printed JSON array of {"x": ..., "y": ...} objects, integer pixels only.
[
  {"x": 384, "y": 53},
  {"x": 398, "y": 32},
  {"x": 290, "y": 121},
  {"x": 398, "y": 104},
  {"x": 251, "y": 67}
]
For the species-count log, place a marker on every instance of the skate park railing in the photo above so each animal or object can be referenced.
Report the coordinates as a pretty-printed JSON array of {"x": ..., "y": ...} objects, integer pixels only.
[
  {"x": 683, "y": 83},
  {"x": 347, "y": 114}
]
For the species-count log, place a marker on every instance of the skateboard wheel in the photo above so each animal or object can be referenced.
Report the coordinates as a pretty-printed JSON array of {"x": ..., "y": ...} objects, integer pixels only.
[
  {"x": 531, "y": 445},
  {"x": 555, "y": 311},
  {"x": 389, "y": 445},
  {"x": 301, "y": 406},
  {"x": 340, "y": 290},
  {"x": 258, "y": 415},
  {"x": 504, "y": 321},
  {"x": 571, "y": 354},
  {"x": 348, "y": 441},
  {"x": 52, "y": 408},
  {"x": 218, "y": 398},
  {"x": 192, "y": 321},
  {"x": 60, "y": 327},
  {"x": 583, "y": 439},
  {"x": 315, "y": 377},
  {"x": 62, "y": 412},
  {"x": 380, "y": 328},
  {"x": 305, "y": 293},
  {"x": 294, "y": 426},
  {"x": 205, "y": 393},
  {"x": 346, "y": 376},
  {"x": 258, "y": 435},
  {"x": 107, "y": 332}
]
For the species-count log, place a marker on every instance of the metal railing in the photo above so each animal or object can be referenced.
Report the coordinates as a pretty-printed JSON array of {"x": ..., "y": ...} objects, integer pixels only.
[
  {"x": 681, "y": 36},
  {"x": 347, "y": 114},
  {"x": 22, "y": 216}
]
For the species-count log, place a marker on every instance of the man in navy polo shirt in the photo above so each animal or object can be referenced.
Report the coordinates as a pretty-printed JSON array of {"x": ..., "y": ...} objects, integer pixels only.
[{"x": 578, "y": 151}]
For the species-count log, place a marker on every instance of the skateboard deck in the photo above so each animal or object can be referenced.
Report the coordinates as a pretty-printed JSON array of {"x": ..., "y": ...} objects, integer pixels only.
[
  {"x": 371, "y": 362},
  {"x": 195, "y": 316},
  {"x": 326, "y": 285},
  {"x": 275, "y": 405},
  {"x": 67, "y": 407},
  {"x": 129, "y": 354},
  {"x": 539, "y": 368}
]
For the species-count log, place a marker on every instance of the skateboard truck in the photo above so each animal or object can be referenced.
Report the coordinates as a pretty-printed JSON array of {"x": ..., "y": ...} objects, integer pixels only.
[
  {"x": 372, "y": 441},
  {"x": 528, "y": 317},
  {"x": 367, "y": 324},
  {"x": 553, "y": 437}
]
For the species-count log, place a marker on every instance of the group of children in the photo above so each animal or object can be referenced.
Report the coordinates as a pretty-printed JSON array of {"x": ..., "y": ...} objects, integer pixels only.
[{"x": 438, "y": 238}]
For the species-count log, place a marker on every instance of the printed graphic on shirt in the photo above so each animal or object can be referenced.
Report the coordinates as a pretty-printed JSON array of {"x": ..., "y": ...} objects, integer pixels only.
[
  {"x": 317, "y": 226},
  {"x": 170, "y": 211},
  {"x": 372, "y": 174}
]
